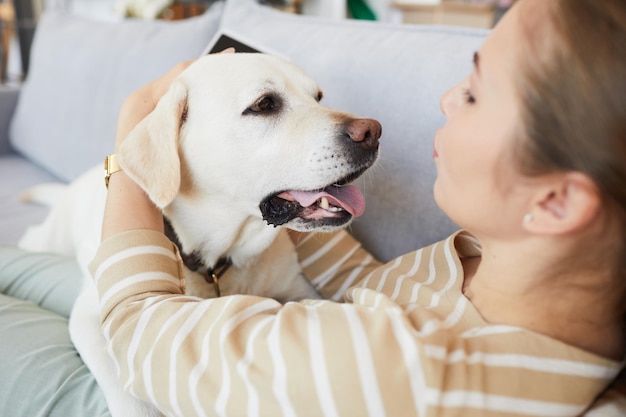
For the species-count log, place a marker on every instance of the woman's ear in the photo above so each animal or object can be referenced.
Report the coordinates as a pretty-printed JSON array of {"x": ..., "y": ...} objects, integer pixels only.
[{"x": 569, "y": 203}]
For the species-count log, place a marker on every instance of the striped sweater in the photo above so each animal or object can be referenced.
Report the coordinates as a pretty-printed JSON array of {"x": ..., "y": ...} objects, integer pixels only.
[{"x": 404, "y": 341}]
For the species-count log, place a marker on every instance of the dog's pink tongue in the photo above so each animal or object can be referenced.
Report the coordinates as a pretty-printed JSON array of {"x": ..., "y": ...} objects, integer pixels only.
[{"x": 348, "y": 197}]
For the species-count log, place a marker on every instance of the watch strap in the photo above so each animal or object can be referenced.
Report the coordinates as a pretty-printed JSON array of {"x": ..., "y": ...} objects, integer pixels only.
[{"x": 110, "y": 167}]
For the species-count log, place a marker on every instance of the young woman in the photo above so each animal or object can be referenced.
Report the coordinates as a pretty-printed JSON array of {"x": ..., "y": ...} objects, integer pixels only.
[{"x": 521, "y": 313}]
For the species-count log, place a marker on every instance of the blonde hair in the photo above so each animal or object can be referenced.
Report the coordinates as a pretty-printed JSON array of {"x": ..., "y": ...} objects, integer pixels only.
[{"x": 574, "y": 98}]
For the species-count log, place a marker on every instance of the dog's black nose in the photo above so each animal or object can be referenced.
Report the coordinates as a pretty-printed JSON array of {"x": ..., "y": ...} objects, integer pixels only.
[{"x": 365, "y": 132}]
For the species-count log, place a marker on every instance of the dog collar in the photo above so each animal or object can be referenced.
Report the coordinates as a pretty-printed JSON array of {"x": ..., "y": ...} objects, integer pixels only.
[
  {"x": 213, "y": 275},
  {"x": 194, "y": 263}
]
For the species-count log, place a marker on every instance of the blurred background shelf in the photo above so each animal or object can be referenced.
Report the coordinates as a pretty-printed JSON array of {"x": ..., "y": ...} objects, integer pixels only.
[
  {"x": 481, "y": 14},
  {"x": 18, "y": 18},
  {"x": 7, "y": 28}
]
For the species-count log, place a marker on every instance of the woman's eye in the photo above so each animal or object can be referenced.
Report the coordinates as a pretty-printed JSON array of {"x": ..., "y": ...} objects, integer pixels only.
[{"x": 467, "y": 95}]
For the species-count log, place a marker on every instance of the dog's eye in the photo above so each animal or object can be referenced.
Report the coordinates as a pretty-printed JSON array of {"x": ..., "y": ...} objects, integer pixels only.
[
  {"x": 319, "y": 97},
  {"x": 265, "y": 104}
]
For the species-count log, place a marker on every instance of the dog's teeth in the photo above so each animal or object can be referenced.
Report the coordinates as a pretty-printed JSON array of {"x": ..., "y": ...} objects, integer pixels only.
[{"x": 325, "y": 204}]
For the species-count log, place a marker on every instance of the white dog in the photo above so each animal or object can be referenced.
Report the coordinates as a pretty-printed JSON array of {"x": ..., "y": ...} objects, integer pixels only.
[{"x": 237, "y": 149}]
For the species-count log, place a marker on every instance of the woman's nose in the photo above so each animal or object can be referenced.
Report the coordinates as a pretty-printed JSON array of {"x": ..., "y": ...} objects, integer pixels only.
[
  {"x": 452, "y": 99},
  {"x": 446, "y": 103}
]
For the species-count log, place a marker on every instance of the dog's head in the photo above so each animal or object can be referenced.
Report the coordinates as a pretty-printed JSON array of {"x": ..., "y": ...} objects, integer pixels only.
[{"x": 247, "y": 131}]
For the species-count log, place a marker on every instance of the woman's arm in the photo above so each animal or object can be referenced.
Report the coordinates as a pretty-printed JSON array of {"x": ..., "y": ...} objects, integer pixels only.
[
  {"x": 333, "y": 262},
  {"x": 128, "y": 208},
  {"x": 245, "y": 355}
]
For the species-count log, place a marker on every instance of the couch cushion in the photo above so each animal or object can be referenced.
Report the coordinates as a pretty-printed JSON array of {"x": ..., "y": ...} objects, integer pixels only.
[
  {"x": 49, "y": 280},
  {"x": 16, "y": 175},
  {"x": 80, "y": 72},
  {"x": 42, "y": 374},
  {"x": 395, "y": 74}
]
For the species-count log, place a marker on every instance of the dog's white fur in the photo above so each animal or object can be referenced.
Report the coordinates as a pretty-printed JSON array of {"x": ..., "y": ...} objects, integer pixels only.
[{"x": 207, "y": 161}]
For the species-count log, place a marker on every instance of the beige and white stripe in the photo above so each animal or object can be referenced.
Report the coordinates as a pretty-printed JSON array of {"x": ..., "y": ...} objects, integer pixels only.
[{"x": 403, "y": 342}]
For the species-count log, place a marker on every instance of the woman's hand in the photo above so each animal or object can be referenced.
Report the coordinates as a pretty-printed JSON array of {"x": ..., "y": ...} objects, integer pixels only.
[{"x": 141, "y": 103}]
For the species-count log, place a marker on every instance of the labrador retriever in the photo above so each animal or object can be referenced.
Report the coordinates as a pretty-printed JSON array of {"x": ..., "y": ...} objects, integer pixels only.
[{"x": 237, "y": 151}]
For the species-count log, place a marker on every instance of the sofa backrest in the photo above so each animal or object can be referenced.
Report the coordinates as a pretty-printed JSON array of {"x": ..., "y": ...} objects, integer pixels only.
[
  {"x": 393, "y": 73},
  {"x": 81, "y": 70}
]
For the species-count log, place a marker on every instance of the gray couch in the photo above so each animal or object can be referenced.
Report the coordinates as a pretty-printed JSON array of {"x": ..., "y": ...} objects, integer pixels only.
[{"x": 62, "y": 121}]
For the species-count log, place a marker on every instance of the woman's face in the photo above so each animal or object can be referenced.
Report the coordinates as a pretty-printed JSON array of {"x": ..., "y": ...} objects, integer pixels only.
[{"x": 478, "y": 185}]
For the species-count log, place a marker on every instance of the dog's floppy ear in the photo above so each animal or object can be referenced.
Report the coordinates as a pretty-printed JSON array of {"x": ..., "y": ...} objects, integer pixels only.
[{"x": 149, "y": 155}]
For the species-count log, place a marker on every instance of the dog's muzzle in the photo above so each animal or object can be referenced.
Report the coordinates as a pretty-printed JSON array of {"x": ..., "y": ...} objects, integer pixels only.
[{"x": 338, "y": 203}]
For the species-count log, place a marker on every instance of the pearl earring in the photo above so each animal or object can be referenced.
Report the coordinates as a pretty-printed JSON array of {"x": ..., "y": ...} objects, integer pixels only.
[{"x": 528, "y": 218}]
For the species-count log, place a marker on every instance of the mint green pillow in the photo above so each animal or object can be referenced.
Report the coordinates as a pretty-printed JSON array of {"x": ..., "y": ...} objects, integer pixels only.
[
  {"x": 42, "y": 374},
  {"x": 51, "y": 281}
]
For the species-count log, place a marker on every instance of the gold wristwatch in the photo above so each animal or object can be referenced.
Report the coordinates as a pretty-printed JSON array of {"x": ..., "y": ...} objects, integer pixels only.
[{"x": 110, "y": 167}]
